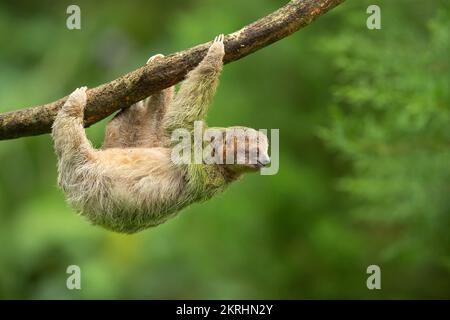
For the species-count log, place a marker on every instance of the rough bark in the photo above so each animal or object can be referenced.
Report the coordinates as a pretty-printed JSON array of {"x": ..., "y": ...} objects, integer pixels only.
[{"x": 136, "y": 85}]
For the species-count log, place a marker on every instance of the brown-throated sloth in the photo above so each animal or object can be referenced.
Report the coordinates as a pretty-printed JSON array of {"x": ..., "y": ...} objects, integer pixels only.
[{"x": 132, "y": 183}]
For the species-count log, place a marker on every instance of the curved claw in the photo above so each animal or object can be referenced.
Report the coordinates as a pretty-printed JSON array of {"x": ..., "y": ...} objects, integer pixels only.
[
  {"x": 78, "y": 96},
  {"x": 219, "y": 38},
  {"x": 155, "y": 58}
]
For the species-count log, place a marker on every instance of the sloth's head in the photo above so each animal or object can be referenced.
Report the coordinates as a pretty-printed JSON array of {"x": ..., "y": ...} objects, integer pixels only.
[{"x": 243, "y": 149}]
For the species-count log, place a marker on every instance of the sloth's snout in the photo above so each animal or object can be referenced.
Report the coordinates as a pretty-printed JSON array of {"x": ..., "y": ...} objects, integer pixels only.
[{"x": 264, "y": 160}]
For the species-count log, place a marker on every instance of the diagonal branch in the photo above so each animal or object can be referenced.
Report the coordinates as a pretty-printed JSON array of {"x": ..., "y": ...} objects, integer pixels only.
[{"x": 136, "y": 85}]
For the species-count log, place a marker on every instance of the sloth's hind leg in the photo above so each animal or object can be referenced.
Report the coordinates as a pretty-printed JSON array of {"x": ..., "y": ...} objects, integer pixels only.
[
  {"x": 140, "y": 124},
  {"x": 156, "y": 106}
]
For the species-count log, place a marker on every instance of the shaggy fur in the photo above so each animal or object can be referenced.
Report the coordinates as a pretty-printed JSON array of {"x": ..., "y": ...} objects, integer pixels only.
[{"x": 131, "y": 183}]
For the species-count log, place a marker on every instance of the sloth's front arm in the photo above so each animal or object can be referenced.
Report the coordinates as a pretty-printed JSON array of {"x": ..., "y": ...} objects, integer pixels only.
[{"x": 196, "y": 92}]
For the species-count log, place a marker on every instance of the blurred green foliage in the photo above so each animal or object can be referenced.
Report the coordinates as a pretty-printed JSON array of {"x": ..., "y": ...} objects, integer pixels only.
[{"x": 364, "y": 148}]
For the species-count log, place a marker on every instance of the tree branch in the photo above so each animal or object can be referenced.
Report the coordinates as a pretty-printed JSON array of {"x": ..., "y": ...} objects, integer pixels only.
[{"x": 136, "y": 85}]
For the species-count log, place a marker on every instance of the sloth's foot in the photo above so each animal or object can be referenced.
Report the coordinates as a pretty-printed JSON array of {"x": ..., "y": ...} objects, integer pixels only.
[{"x": 156, "y": 57}]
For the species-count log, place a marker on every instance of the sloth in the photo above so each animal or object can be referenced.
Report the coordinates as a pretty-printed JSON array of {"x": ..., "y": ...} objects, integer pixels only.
[{"x": 132, "y": 183}]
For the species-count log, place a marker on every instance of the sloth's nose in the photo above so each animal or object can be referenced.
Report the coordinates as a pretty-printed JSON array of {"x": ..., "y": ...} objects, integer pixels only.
[{"x": 264, "y": 160}]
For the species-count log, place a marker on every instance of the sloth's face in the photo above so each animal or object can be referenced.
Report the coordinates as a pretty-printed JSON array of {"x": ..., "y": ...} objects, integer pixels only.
[{"x": 245, "y": 149}]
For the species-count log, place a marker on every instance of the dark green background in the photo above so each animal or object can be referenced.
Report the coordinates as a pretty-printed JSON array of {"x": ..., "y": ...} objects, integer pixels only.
[{"x": 364, "y": 155}]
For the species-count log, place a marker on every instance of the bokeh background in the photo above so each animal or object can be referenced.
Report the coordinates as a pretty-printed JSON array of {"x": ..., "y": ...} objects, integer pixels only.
[{"x": 364, "y": 119}]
